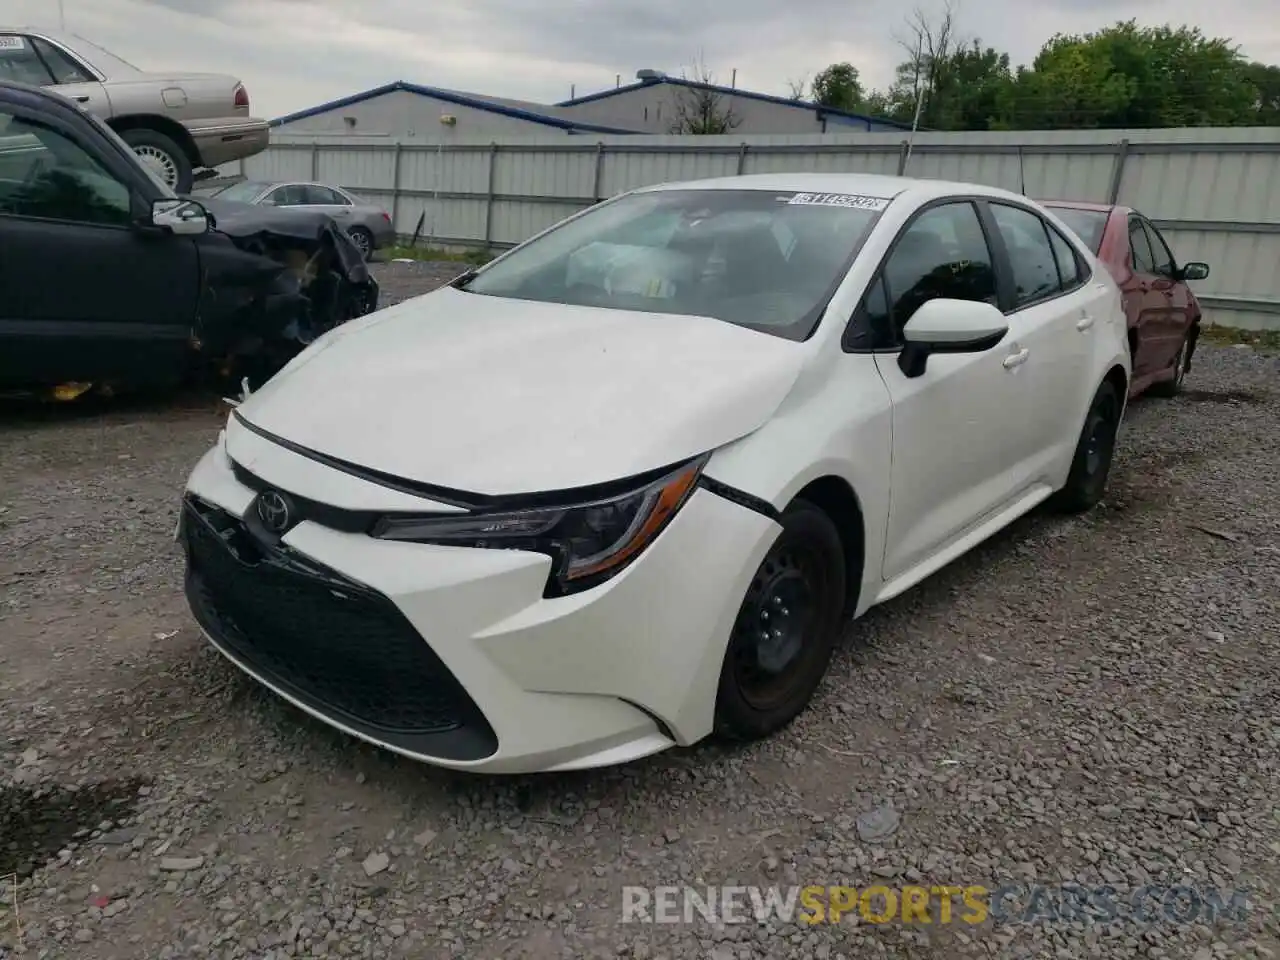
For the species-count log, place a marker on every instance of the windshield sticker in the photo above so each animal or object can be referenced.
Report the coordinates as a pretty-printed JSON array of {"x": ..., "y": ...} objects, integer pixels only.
[
  {"x": 851, "y": 200},
  {"x": 12, "y": 43}
]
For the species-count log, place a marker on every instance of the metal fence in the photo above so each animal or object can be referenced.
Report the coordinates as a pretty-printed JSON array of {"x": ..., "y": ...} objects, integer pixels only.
[{"x": 1215, "y": 193}]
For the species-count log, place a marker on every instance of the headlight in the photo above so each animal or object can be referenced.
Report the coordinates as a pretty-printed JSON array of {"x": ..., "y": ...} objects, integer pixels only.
[{"x": 588, "y": 542}]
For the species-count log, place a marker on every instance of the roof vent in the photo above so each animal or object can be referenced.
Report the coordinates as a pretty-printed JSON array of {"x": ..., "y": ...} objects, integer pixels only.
[{"x": 649, "y": 76}]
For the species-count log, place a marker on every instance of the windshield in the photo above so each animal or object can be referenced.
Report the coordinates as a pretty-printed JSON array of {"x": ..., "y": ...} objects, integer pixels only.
[
  {"x": 1088, "y": 225},
  {"x": 243, "y": 192},
  {"x": 761, "y": 259},
  {"x": 81, "y": 41}
]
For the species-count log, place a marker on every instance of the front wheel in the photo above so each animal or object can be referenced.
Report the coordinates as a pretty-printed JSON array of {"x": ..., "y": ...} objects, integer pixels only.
[
  {"x": 785, "y": 630},
  {"x": 363, "y": 240},
  {"x": 1091, "y": 465}
]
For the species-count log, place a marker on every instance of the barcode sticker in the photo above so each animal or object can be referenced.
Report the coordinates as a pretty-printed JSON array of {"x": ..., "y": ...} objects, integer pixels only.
[
  {"x": 12, "y": 43},
  {"x": 854, "y": 201}
]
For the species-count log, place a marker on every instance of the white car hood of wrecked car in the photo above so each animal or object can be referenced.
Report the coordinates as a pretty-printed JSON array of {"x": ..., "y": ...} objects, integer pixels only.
[{"x": 498, "y": 396}]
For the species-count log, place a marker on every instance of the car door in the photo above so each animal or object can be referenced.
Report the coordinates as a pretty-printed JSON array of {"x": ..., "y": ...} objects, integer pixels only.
[
  {"x": 1177, "y": 299},
  {"x": 89, "y": 296},
  {"x": 959, "y": 437},
  {"x": 1148, "y": 302},
  {"x": 318, "y": 197},
  {"x": 73, "y": 78},
  {"x": 285, "y": 195},
  {"x": 1055, "y": 326}
]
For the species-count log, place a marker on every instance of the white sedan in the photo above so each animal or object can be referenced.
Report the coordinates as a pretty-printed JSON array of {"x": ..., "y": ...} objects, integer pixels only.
[{"x": 623, "y": 487}]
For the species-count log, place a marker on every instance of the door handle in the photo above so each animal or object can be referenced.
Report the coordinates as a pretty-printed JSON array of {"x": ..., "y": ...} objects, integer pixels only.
[
  {"x": 82, "y": 99},
  {"x": 1016, "y": 359},
  {"x": 1084, "y": 323}
]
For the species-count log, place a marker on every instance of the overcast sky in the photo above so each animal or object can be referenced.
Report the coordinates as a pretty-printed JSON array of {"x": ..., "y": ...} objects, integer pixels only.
[{"x": 294, "y": 54}]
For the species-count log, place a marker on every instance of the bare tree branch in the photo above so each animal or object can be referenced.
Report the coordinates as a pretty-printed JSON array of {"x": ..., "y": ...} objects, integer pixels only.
[
  {"x": 699, "y": 109},
  {"x": 930, "y": 45},
  {"x": 799, "y": 89}
]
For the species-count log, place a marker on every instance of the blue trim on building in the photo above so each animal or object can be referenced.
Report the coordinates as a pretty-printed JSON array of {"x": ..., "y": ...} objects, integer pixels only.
[
  {"x": 843, "y": 116},
  {"x": 449, "y": 96}
]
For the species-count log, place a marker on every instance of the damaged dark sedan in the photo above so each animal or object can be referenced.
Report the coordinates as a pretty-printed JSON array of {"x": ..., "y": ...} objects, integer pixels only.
[{"x": 109, "y": 280}]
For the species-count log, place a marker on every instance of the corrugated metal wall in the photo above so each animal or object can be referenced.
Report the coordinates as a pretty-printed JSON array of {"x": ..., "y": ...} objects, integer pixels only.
[{"x": 1214, "y": 192}]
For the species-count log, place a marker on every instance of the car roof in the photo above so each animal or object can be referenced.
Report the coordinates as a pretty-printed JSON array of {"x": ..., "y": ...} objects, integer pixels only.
[
  {"x": 272, "y": 184},
  {"x": 1083, "y": 205},
  {"x": 863, "y": 184}
]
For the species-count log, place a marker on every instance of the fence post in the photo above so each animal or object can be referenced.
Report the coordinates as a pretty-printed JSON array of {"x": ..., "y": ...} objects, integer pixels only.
[
  {"x": 315, "y": 160},
  {"x": 599, "y": 174},
  {"x": 742, "y": 158},
  {"x": 903, "y": 153},
  {"x": 1117, "y": 171},
  {"x": 395, "y": 184},
  {"x": 488, "y": 204}
]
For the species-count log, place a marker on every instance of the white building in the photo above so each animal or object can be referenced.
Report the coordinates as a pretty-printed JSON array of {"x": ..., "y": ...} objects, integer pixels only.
[{"x": 652, "y": 105}]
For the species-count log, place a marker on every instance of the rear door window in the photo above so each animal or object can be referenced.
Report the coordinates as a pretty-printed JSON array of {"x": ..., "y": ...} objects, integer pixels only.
[{"x": 323, "y": 196}]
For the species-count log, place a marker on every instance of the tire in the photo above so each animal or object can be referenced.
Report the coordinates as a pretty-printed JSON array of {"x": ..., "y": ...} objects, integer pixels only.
[
  {"x": 363, "y": 239},
  {"x": 167, "y": 159},
  {"x": 768, "y": 678},
  {"x": 1091, "y": 465},
  {"x": 1171, "y": 388}
]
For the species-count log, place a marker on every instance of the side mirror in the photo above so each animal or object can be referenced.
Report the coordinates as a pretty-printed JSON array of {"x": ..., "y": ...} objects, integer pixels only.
[
  {"x": 1194, "y": 270},
  {"x": 949, "y": 326},
  {"x": 183, "y": 217}
]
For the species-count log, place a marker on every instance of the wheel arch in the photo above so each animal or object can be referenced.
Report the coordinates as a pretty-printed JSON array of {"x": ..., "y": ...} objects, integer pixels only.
[
  {"x": 1117, "y": 377},
  {"x": 835, "y": 497},
  {"x": 170, "y": 128}
]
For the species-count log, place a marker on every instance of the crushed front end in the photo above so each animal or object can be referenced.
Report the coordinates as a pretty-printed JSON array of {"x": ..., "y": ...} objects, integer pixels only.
[{"x": 272, "y": 281}]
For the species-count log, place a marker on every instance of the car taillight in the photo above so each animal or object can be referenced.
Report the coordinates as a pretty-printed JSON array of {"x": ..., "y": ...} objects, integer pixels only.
[
  {"x": 386, "y": 216},
  {"x": 242, "y": 96}
]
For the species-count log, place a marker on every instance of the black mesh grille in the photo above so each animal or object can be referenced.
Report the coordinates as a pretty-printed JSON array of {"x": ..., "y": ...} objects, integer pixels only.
[{"x": 338, "y": 646}]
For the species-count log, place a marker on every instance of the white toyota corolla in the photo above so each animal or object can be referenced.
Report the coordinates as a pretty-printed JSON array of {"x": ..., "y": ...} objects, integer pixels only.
[{"x": 623, "y": 486}]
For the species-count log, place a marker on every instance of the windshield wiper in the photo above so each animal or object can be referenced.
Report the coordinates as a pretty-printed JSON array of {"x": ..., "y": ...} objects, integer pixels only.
[{"x": 460, "y": 282}]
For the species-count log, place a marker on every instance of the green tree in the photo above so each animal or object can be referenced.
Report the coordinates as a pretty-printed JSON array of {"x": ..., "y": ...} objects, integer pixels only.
[
  {"x": 838, "y": 87},
  {"x": 1264, "y": 78},
  {"x": 1131, "y": 76}
]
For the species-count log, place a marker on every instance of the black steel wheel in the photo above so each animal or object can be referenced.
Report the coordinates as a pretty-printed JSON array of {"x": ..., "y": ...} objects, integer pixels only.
[
  {"x": 786, "y": 628},
  {"x": 363, "y": 240},
  {"x": 1091, "y": 466}
]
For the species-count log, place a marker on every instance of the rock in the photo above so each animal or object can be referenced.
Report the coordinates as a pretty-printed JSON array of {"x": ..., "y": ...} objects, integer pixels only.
[
  {"x": 181, "y": 864},
  {"x": 375, "y": 863},
  {"x": 878, "y": 824}
]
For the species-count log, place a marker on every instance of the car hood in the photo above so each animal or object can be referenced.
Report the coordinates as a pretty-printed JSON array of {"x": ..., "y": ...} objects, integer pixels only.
[{"x": 491, "y": 395}]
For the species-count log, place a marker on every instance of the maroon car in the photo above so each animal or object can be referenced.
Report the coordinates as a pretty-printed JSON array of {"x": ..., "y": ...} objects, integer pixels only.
[{"x": 1163, "y": 313}]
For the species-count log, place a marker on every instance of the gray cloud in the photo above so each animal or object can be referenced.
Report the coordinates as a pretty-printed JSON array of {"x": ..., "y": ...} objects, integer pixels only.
[{"x": 296, "y": 53}]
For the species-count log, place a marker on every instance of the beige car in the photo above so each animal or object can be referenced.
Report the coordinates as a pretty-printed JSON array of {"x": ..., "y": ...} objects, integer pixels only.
[{"x": 179, "y": 123}]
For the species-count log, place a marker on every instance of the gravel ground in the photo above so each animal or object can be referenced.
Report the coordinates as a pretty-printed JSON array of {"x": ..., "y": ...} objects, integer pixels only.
[{"x": 1090, "y": 700}]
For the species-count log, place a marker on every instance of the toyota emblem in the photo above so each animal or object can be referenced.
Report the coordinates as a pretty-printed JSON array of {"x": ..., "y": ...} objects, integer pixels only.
[{"x": 274, "y": 511}]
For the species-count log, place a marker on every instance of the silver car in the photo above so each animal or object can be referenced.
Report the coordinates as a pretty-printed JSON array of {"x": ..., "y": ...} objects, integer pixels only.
[
  {"x": 177, "y": 122},
  {"x": 368, "y": 224}
]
